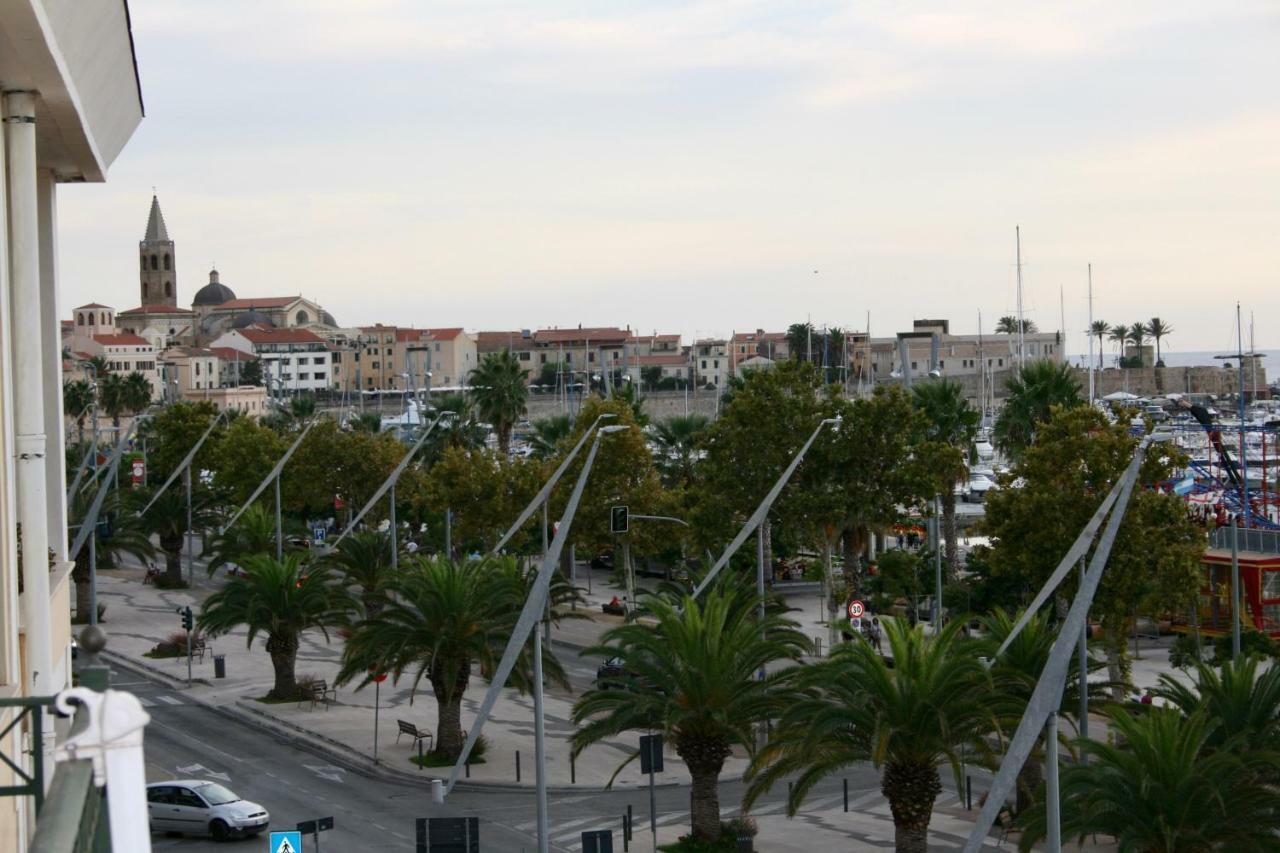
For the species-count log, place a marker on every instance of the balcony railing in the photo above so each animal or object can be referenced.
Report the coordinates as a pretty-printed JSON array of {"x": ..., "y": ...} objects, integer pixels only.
[{"x": 1256, "y": 541}]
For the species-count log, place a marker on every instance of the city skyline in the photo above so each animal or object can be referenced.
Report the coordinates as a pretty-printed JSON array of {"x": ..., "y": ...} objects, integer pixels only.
[{"x": 698, "y": 167}]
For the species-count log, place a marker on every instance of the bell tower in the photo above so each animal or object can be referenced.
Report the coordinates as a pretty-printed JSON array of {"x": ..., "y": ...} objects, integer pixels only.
[{"x": 157, "y": 263}]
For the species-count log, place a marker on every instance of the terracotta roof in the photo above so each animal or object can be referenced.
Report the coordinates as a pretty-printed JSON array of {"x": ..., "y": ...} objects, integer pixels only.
[
  {"x": 259, "y": 335},
  {"x": 660, "y": 358},
  {"x": 445, "y": 334},
  {"x": 197, "y": 352},
  {"x": 631, "y": 339},
  {"x": 748, "y": 337},
  {"x": 602, "y": 334},
  {"x": 67, "y": 324},
  {"x": 410, "y": 335},
  {"x": 232, "y": 354},
  {"x": 121, "y": 340},
  {"x": 259, "y": 302},
  {"x": 156, "y": 309},
  {"x": 93, "y": 305},
  {"x": 494, "y": 341}
]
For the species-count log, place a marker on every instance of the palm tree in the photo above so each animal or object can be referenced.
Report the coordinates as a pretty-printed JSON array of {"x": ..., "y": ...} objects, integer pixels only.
[
  {"x": 1246, "y": 705},
  {"x": 628, "y": 393},
  {"x": 364, "y": 560},
  {"x": 1034, "y": 392},
  {"x": 908, "y": 720},
  {"x": 1008, "y": 325},
  {"x": 692, "y": 675},
  {"x": 651, "y": 375},
  {"x": 138, "y": 392},
  {"x": 548, "y": 433},
  {"x": 1099, "y": 330},
  {"x": 1119, "y": 335},
  {"x": 1159, "y": 330},
  {"x": 500, "y": 395},
  {"x": 167, "y": 520},
  {"x": 302, "y": 407},
  {"x": 281, "y": 599},
  {"x": 443, "y": 617},
  {"x": 120, "y": 534},
  {"x": 77, "y": 399},
  {"x": 1138, "y": 337},
  {"x": 676, "y": 454},
  {"x": 1015, "y": 672},
  {"x": 954, "y": 423},
  {"x": 1165, "y": 790},
  {"x": 800, "y": 341},
  {"x": 252, "y": 535},
  {"x": 112, "y": 396}
]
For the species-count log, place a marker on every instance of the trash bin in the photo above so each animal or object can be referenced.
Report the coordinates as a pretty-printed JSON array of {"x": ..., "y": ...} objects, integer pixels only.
[
  {"x": 219, "y": 666},
  {"x": 746, "y": 843}
]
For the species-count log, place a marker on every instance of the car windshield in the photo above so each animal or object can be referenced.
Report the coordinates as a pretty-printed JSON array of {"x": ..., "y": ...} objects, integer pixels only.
[{"x": 216, "y": 795}]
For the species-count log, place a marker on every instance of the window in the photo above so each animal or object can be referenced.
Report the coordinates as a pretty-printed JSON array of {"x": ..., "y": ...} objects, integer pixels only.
[
  {"x": 104, "y": 319},
  {"x": 716, "y": 364},
  {"x": 591, "y": 357},
  {"x": 304, "y": 376},
  {"x": 544, "y": 358},
  {"x": 197, "y": 368},
  {"x": 375, "y": 365},
  {"x": 185, "y": 797},
  {"x": 302, "y": 317},
  {"x": 1001, "y": 362},
  {"x": 79, "y": 319},
  {"x": 155, "y": 262},
  {"x": 167, "y": 262},
  {"x": 524, "y": 356},
  {"x": 168, "y": 288},
  {"x": 319, "y": 377},
  {"x": 162, "y": 795},
  {"x": 941, "y": 364},
  {"x": 913, "y": 365},
  {"x": 704, "y": 364},
  {"x": 302, "y": 360}
]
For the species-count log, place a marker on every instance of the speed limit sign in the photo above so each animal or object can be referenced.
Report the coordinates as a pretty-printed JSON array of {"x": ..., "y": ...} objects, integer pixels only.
[{"x": 855, "y": 609}]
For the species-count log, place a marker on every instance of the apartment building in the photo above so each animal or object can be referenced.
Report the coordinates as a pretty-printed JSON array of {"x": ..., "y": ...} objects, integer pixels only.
[
  {"x": 189, "y": 369},
  {"x": 452, "y": 355},
  {"x": 293, "y": 360},
  {"x": 712, "y": 364},
  {"x": 71, "y": 101},
  {"x": 929, "y": 346},
  {"x": 744, "y": 346}
]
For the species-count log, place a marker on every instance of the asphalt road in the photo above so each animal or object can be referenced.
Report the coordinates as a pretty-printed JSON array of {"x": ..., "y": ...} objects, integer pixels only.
[{"x": 372, "y": 814}]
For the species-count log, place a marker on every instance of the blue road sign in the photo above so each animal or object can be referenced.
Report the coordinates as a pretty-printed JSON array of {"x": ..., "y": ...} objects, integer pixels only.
[
  {"x": 318, "y": 534},
  {"x": 285, "y": 842}
]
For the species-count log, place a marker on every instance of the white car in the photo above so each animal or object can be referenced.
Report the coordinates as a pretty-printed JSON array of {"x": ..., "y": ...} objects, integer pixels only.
[{"x": 197, "y": 807}]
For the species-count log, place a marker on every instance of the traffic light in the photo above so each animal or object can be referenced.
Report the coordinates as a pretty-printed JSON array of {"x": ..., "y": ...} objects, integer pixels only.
[
  {"x": 188, "y": 621},
  {"x": 619, "y": 519}
]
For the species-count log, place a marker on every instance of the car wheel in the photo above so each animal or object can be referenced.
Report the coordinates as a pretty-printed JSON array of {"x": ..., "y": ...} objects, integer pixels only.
[{"x": 219, "y": 830}]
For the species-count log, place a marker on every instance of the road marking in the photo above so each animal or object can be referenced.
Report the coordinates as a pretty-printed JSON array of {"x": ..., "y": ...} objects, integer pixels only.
[
  {"x": 326, "y": 771},
  {"x": 182, "y": 735},
  {"x": 201, "y": 770},
  {"x": 146, "y": 703},
  {"x": 171, "y": 700}
]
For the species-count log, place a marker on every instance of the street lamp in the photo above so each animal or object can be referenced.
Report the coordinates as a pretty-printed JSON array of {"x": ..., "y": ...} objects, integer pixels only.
[{"x": 527, "y": 622}]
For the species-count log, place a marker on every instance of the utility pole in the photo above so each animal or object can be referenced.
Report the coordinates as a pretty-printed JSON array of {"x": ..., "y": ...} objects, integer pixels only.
[
  {"x": 1091, "y": 378},
  {"x": 1022, "y": 324}
]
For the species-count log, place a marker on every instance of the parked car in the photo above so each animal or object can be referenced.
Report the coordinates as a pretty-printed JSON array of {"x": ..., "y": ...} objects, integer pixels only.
[{"x": 198, "y": 807}]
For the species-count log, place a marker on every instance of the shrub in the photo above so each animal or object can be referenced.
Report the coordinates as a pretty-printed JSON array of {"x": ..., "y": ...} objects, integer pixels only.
[
  {"x": 163, "y": 582},
  {"x": 730, "y": 832},
  {"x": 173, "y": 646},
  {"x": 1186, "y": 651},
  {"x": 1251, "y": 643},
  {"x": 435, "y": 759}
]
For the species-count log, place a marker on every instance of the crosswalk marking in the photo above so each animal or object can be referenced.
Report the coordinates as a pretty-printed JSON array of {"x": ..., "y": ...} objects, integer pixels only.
[
  {"x": 172, "y": 700},
  {"x": 146, "y": 703}
]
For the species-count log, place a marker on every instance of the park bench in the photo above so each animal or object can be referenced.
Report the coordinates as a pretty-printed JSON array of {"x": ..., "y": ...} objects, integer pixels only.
[
  {"x": 199, "y": 646},
  {"x": 320, "y": 692},
  {"x": 407, "y": 728},
  {"x": 151, "y": 575}
]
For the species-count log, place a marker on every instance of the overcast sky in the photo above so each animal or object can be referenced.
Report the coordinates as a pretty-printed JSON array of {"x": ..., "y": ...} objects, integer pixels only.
[{"x": 706, "y": 166}]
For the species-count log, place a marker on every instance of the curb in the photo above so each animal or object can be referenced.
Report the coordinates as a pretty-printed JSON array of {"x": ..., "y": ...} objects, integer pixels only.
[{"x": 336, "y": 751}]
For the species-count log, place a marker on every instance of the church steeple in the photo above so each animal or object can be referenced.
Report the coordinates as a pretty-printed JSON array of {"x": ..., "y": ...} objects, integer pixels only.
[{"x": 157, "y": 262}]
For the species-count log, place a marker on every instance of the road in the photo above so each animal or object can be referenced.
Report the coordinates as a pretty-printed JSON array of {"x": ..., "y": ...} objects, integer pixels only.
[{"x": 371, "y": 814}]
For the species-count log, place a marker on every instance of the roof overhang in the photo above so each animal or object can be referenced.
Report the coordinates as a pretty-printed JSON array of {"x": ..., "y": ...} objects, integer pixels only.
[{"x": 77, "y": 56}]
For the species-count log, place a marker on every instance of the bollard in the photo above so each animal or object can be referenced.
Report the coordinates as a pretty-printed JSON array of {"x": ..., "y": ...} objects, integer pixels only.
[
  {"x": 422, "y": 765},
  {"x": 968, "y": 792},
  {"x": 467, "y": 767},
  {"x": 817, "y": 641},
  {"x": 573, "y": 770},
  {"x": 517, "y": 765},
  {"x": 630, "y": 820},
  {"x": 626, "y": 834},
  {"x": 846, "y": 794}
]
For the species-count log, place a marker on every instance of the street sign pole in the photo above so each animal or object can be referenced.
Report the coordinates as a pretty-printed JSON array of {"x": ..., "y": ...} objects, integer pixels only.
[
  {"x": 540, "y": 745},
  {"x": 395, "y": 558},
  {"x": 191, "y": 548}
]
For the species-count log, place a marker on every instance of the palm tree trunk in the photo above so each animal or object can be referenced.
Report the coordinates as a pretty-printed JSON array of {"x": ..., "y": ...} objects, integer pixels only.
[
  {"x": 704, "y": 805},
  {"x": 284, "y": 655},
  {"x": 1100, "y": 349},
  {"x": 911, "y": 790},
  {"x": 449, "y": 738},
  {"x": 949, "y": 532},
  {"x": 172, "y": 547}
]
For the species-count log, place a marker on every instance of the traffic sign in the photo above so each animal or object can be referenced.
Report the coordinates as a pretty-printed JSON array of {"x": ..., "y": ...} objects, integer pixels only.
[
  {"x": 139, "y": 472},
  {"x": 855, "y": 623},
  {"x": 317, "y": 535},
  {"x": 285, "y": 842},
  {"x": 619, "y": 519},
  {"x": 855, "y": 609}
]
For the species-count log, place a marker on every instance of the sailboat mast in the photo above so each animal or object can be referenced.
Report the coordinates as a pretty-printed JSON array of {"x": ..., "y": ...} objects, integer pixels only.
[
  {"x": 1091, "y": 386},
  {"x": 1022, "y": 324},
  {"x": 982, "y": 377}
]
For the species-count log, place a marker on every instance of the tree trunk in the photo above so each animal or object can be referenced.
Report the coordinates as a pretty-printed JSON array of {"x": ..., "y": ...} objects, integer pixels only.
[
  {"x": 284, "y": 655},
  {"x": 1029, "y": 778},
  {"x": 911, "y": 790},
  {"x": 851, "y": 553},
  {"x": 767, "y": 530},
  {"x": 449, "y": 739},
  {"x": 949, "y": 532},
  {"x": 1114, "y": 641},
  {"x": 705, "y": 759},
  {"x": 172, "y": 562}
]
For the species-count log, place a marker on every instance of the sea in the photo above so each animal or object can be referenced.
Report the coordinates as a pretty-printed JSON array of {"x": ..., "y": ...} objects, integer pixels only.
[{"x": 1270, "y": 358}]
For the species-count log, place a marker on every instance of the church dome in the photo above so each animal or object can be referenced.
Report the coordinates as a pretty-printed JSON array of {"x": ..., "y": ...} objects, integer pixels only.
[
  {"x": 250, "y": 318},
  {"x": 327, "y": 319},
  {"x": 213, "y": 293}
]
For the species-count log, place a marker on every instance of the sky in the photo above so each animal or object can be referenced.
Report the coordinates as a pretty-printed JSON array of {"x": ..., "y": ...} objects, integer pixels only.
[{"x": 705, "y": 167}]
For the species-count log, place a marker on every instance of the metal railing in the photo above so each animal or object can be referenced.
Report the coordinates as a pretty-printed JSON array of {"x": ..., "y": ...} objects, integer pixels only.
[
  {"x": 1252, "y": 539},
  {"x": 74, "y": 819},
  {"x": 32, "y": 783}
]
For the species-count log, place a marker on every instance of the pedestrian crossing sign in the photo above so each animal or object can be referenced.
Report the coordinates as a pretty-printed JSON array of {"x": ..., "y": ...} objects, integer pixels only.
[{"x": 286, "y": 842}]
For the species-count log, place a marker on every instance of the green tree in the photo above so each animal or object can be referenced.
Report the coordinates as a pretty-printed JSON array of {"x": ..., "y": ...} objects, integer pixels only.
[
  {"x": 1065, "y": 475},
  {"x": 676, "y": 447},
  {"x": 77, "y": 399},
  {"x": 1032, "y": 395},
  {"x": 251, "y": 372},
  {"x": 907, "y": 720},
  {"x": 364, "y": 560},
  {"x": 1165, "y": 790},
  {"x": 692, "y": 675},
  {"x": 137, "y": 392},
  {"x": 1099, "y": 329},
  {"x": 240, "y": 456},
  {"x": 500, "y": 394},
  {"x": 279, "y": 599},
  {"x": 173, "y": 431},
  {"x": 953, "y": 423},
  {"x": 112, "y": 396},
  {"x": 1158, "y": 330},
  {"x": 302, "y": 407},
  {"x": 1119, "y": 335},
  {"x": 444, "y": 618},
  {"x": 651, "y": 375},
  {"x": 367, "y": 422},
  {"x": 486, "y": 492},
  {"x": 800, "y": 341},
  {"x": 627, "y": 393},
  {"x": 253, "y": 534},
  {"x": 548, "y": 433},
  {"x": 549, "y": 374},
  {"x": 1008, "y": 325},
  {"x": 166, "y": 519}
]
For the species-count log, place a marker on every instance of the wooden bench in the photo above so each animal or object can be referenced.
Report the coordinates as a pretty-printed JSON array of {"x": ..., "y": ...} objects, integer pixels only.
[
  {"x": 151, "y": 575},
  {"x": 199, "y": 646},
  {"x": 407, "y": 728},
  {"x": 320, "y": 692}
]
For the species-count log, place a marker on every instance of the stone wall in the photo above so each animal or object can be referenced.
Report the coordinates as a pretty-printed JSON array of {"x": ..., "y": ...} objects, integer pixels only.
[{"x": 1153, "y": 381}]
